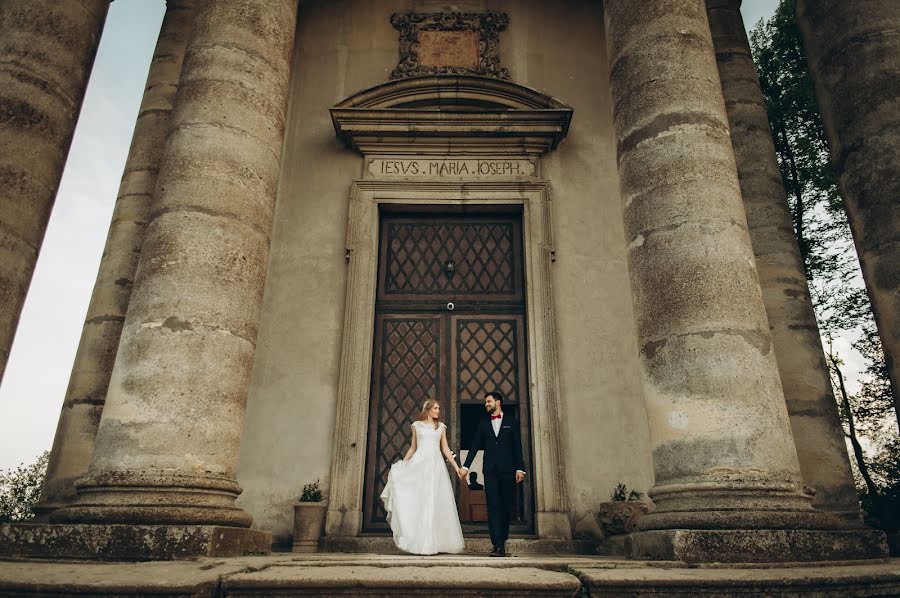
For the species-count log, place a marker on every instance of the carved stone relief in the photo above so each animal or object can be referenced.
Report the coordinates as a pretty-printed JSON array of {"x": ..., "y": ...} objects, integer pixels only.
[{"x": 454, "y": 43}]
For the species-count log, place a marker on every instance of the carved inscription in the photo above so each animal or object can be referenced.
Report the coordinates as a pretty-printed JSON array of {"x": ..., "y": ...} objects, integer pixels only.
[
  {"x": 449, "y": 43},
  {"x": 441, "y": 168},
  {"x": 448, "y": 48}
]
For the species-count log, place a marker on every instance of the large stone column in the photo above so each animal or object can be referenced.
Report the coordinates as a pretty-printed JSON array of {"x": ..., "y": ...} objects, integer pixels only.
[
  {"x": 83, "y": 405},
  {"x": 728, "y": 482},
  {"x": 815, "y": 424},
  {"x": 47, "y": 49},
  {"x": 853, "y": 50},
  {"x": 168, "y": 442}
]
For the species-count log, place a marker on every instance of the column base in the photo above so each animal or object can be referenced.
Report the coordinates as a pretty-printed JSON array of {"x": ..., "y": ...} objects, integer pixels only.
[
  {"x": 343, "y": 523},
  {"x": 554, "y": 525},
  {"x": 756, "y": 545},
  {"x": 747, "y": 520},
  {"x": 130, "y": 542},
  {"x": 155, "y": 498}
]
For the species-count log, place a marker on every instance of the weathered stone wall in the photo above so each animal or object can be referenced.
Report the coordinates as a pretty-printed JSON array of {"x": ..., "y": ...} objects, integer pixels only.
[{"x": 343, "y": 48}]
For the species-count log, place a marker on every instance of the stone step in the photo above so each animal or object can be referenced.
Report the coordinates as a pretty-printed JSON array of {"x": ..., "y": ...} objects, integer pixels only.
[
  {"x": 330, "y": 574},
  {"x": 474, "y": 546},
  {"x": 850, "y": 580},
  {"x": 389, "y": 582}
]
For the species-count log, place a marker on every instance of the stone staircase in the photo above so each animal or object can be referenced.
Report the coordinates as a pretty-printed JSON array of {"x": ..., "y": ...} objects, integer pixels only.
[{"x": 348, "y": 575}]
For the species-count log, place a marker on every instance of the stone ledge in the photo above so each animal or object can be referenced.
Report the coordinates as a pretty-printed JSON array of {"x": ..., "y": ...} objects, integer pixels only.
[
  {"x": 291, "y": 574},
  {"x": 802, "y": 580},
  {"x": 474, "y": 546},
  {"x": 129, "y": 542},
  {"x": 756, "y": 546},
  {"x": 401, "y": 581}
]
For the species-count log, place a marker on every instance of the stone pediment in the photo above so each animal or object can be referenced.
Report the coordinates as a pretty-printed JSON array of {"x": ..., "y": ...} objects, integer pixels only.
[{"x": 449, "y": 114}]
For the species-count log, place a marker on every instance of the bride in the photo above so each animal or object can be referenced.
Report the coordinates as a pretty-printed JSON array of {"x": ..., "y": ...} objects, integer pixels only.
[{"x": 418, "y": 496}]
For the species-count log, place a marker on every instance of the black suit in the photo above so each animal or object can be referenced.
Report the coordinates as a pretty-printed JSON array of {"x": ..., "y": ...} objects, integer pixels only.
[{"x": 502, "y": 458}]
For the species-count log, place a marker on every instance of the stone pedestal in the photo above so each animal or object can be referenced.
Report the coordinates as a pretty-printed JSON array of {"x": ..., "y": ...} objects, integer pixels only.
[
  {"x": 47, "y": 49},
  {"x": 129, "y": 542},
  {"x": 853, "y": 51},
  {"x": 755, "y": 546},
  {"x": 168, "y": 441},
  {"x": 86, "y": 394},
  {"x": 815, "y": 424}
]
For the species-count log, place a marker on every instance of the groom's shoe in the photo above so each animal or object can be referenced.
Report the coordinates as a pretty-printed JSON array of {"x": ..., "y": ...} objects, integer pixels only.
[
  {"x": 501, "y": 550},
  {"x": 496, "y": 551}
]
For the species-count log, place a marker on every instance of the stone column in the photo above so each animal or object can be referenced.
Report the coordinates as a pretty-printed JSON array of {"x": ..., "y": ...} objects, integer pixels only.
[
  {"x": 47, "y": 49},
  {"x": 168, "y": 442},
  {"x": 816, "y": 427},
  {"x": 723, "y": 454},
  {"x": 83, "y": 405},
  {"x": 853, "y": 51}
]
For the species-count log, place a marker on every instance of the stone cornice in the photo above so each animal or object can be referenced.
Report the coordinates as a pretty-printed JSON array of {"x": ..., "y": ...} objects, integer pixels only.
[{"x": 437, "y": 114}]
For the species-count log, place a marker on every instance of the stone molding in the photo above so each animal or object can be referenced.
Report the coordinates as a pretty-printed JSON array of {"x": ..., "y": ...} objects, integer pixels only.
[
  {"x": 438, "y": 112},
  {"x": 486, "y": 25},
  {"x": 344, "y": 518}
]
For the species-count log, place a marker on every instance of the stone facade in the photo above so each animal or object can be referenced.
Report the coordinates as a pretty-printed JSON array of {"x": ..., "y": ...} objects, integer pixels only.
[{"x": 659, "y": 350}]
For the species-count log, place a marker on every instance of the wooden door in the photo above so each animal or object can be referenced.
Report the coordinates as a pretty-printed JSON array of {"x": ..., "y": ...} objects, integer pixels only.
[{"x": 449, "y": 324}]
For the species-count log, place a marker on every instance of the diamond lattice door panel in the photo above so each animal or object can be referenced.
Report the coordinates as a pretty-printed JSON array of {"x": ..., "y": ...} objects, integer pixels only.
[
  {"x": 450, "y": 259},
  {"x": 488, "y": 355},
  {"x": 407, "y": 372}
]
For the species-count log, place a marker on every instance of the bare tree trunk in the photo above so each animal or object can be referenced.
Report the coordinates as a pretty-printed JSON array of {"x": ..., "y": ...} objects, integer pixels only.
[
  {"x": 798, "y": 196},
  {"x": 854, "y": 441}
]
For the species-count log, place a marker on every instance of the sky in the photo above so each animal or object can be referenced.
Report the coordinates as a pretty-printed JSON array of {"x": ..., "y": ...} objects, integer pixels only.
[{"x": 37, "y": 373}]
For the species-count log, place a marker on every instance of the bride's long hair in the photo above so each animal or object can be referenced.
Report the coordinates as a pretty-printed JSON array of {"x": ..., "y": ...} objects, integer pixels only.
[{"x": 426, "y": 407}]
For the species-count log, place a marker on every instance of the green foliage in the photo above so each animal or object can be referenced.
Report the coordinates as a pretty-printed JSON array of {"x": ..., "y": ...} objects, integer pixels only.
[
  {"x": 622, "y": 493},
  {"x": 311, "y": 492},
  {"x": 20, "y": 489},
  {"x": 882, "y": 510},
  {"x": 817, "y": 211}
]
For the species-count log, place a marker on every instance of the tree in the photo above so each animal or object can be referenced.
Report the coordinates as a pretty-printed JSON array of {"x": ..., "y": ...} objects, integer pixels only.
[
  {"x": 817, "y": 211},
  {"x": 20, "y": 489},
  {"x": 832, "y": 269}
]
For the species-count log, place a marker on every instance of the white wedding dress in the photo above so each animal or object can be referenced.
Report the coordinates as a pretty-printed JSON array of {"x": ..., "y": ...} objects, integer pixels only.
[{"x": 419, "y": 501}]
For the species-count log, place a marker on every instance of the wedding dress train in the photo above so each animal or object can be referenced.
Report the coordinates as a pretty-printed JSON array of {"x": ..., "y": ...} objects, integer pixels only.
[{"x": 419, "y": 500}]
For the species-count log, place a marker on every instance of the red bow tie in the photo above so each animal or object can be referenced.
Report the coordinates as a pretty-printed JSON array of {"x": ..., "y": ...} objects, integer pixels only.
[{"x": 493, "y": 417}]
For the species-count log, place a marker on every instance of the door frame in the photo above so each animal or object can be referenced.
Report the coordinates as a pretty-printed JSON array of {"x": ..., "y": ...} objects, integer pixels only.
[{"x": 368, "y": 197}]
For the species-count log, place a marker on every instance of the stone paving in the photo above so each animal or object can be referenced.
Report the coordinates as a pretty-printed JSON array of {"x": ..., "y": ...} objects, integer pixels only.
[{"x": 331, "y": 574}]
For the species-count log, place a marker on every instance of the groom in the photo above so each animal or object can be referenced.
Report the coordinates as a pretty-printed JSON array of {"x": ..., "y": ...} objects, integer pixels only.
[{"x": 503, "y": 467}]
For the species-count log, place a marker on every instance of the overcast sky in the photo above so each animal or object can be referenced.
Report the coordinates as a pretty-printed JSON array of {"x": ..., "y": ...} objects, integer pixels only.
[{"x": 39, "y": 366}]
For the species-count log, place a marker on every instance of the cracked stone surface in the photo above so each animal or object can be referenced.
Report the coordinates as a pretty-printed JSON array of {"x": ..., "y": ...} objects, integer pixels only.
[{"x": 379, "y": 575}]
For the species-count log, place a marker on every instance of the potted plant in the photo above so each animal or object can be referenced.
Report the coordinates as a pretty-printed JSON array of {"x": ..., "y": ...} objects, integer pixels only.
[
  {"x": 620, "y": 515},
  {"x": 309, "y": 518}
]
